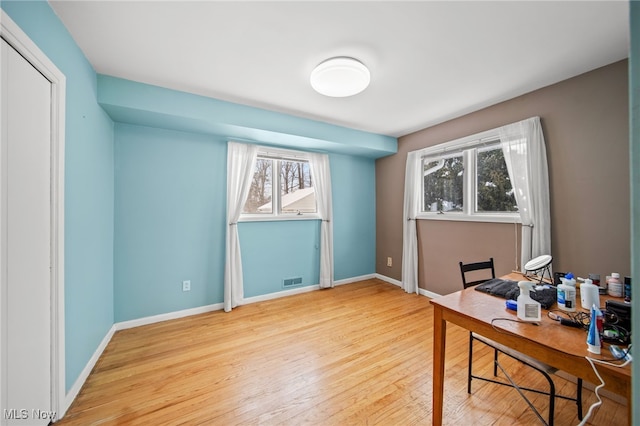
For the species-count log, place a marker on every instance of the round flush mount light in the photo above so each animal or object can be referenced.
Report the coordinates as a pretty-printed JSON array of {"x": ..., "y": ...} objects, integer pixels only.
[{"x": 340, "y": 77}]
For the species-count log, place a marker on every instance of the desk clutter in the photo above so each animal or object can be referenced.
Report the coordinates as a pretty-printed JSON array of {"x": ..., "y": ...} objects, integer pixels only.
[
  {"x": 507, "y": 289},
  {"x": 615, "y": 327},
  {"x": 613, "y": 285},
  {"x": 613, "y": 320}
]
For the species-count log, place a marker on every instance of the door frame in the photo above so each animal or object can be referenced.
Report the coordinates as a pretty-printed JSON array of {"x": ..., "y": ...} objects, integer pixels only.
[{"x": 19, "y": 40}]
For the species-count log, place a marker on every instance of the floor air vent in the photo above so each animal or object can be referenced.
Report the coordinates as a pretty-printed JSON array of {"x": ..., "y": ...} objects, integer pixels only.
[{"x": 291, "y": 282}]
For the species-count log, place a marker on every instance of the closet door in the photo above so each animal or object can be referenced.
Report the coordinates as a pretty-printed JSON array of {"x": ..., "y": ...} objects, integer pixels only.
[{"x": 25, "y": 238}]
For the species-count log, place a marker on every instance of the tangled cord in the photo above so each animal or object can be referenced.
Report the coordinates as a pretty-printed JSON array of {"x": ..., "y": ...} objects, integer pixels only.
[
  {"x": 582, "y": 319},
  {"x": 613, "y": 332}
]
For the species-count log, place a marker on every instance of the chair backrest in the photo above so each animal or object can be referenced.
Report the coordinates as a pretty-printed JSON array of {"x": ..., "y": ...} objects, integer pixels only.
[{"x": 477, "y": 266}]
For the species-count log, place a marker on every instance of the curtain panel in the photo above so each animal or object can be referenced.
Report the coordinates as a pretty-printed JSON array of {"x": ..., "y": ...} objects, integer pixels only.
[
  {"x": 241, "y": 159},
  {"x": 526, "y": 157},
  {"x": 412, "y": 185},
  {"x": 322, "y": 183}
]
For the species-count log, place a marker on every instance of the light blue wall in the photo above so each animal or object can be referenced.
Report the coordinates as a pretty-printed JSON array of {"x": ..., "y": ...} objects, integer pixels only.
[
  {"x": 143, "y": 104},
  {"x": 354, "y": 215},
  {"x": 170, "y": 212},
  {"x": 272, "y": 251},
  {"x": 169, "y": 220},
  {"x": 634, "y": 108},
  {"x": 88, "y": 188},
  {"x": 150, "y": 213}
]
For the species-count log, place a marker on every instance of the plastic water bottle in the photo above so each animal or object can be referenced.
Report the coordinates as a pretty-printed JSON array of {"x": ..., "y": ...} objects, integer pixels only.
[
  {"x": 567, "y": 293},
  {"x": 589, "y": 294}
]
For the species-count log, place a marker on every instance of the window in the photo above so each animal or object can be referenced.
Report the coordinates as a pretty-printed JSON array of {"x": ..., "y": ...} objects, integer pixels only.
[
  {"x": 494, "y": 193},
  {"x": 442, "y": 184},
  {"x": 467, "y": 180},
  {"x": 281, "y": 187}
]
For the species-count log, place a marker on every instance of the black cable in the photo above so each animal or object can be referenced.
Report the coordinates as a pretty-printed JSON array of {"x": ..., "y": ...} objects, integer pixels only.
[
  {"x": 577, "y": 319},
  {"x": 583, "y": 320}
]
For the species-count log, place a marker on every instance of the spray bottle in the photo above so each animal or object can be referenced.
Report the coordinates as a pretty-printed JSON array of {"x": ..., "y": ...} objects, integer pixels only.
[
  {"x": 593, "y": 336},
  {"x": 528, "y": 309}
]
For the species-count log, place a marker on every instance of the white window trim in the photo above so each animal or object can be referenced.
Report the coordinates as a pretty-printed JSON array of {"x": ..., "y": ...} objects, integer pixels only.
[
  {"x": 463, "y": 145},
  {"x": 476, "y": 217},
  {"x": 270, "y": 217},
  {"x": 279, "y": 154}
]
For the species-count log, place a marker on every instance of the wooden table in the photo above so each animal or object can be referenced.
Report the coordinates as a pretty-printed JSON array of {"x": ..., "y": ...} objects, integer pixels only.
[{"x": 562, "y": 347}]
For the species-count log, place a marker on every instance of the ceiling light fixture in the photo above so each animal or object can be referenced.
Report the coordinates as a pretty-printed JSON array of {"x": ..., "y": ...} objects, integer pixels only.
[{"x": 340, "y": 77}]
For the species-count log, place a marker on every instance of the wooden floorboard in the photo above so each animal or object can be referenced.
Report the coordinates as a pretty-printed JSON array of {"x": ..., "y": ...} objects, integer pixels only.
[{"x": 357, "y": 354}]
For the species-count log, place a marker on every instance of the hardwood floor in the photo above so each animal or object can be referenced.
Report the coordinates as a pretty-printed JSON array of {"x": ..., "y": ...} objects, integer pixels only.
[{"x": 356, "y": 354}]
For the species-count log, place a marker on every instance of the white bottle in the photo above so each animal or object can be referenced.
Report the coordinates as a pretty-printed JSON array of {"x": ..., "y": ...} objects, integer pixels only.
[
  {"x": 528, "y": 309},
  {"x": 589, "y": 294},
  {"x": 567, "y": 294},
  {"x": 614, "y": 285}
]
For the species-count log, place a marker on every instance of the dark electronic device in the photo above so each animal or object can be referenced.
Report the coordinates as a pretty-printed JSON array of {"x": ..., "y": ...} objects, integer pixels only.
[
  {"x": 617, "y": 322},
  {"x": 622, "y": 311}
]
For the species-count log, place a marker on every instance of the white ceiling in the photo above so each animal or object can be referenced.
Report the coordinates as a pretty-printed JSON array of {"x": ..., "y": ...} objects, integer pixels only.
[{"x": 430, "y": 61}]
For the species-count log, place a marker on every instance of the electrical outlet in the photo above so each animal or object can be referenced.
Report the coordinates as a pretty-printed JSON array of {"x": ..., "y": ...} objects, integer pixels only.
[
  {"x": 389, "y": 262},
  {"x": 186, "y": 285}
]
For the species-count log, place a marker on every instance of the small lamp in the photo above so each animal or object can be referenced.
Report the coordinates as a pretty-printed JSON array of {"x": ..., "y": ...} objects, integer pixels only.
[{"x": 538, "y": 266}]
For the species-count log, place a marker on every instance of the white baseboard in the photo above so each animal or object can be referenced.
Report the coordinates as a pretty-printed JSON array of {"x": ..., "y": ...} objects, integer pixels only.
[
  {"x": 422, "y": 291},
  {"x": 354, "y": 279},
  {"x": 123, "y": 325},
  {"x": 389, "y": 280},
  {"x": 168, "y": 316},
  {"x": 429, "y": 294},
  {"x": 306, "y": 289},
  {"x": 77, "y": 385},
  {"x": 279, "y": 294}
]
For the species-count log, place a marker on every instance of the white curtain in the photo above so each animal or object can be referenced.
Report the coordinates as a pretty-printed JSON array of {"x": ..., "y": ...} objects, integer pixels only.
[
  {"x": 526, "y": 157},
  {"x": 412, "y": 185},
  {"x": 241, "y": 159},
  {"x": 322, "y": 183}
]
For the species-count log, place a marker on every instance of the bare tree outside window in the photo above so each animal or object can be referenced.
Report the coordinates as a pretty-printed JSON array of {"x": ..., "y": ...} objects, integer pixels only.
[
  {"x": 260, "y": 193},
  {"x": 296, "y": 189},
  {"x": 294, "y": 181},
  {"x": 295, "y": 175}
]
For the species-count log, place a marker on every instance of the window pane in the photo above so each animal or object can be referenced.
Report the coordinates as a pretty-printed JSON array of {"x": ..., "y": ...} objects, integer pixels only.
[
  {"x": 443, "y": 180},
  {"x": 260, "y": 193},
  {"x": 495, "y": 193},
  {"x": 297, "y": 194}
]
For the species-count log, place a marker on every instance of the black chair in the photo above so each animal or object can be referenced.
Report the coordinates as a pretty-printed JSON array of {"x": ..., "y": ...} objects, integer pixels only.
[{"x": 546, "y": 370}]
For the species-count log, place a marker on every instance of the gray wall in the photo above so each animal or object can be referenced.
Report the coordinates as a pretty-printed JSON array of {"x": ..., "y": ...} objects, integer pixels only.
[{"x": 586, "y": 126}]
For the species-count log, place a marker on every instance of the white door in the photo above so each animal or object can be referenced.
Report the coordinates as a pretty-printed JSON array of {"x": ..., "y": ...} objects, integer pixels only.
[{"x": 25, "y": 237}]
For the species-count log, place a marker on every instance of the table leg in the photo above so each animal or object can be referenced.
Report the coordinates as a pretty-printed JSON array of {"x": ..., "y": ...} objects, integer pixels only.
[{"x": 439, "y": 340}]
